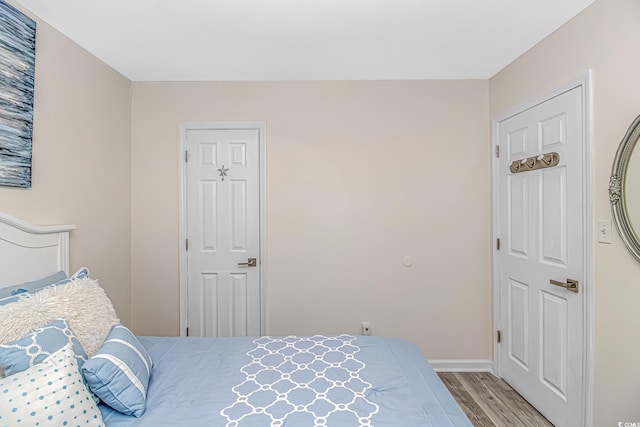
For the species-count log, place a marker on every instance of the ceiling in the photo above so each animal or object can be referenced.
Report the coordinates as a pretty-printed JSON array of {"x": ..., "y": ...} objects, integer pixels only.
[{"x": 169, "y": 40}]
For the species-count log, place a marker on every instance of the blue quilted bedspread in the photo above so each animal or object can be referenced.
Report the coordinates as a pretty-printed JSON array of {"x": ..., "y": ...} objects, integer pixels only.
[{"x": 317, "y": 381}]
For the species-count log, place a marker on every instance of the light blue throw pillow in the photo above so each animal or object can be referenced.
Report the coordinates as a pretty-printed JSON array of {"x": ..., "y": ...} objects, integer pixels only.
[
  {"x": 50, "y": 394},
  {"x": 20, "y": 355},
  {"x": 34, "y": 285},
  {"x": 119, "y": 373},
  {"x": 16, "y": 291}
]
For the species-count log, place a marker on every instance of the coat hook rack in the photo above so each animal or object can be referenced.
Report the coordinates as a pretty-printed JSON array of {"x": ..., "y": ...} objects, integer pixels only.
[{"x": 542, "y": 161}]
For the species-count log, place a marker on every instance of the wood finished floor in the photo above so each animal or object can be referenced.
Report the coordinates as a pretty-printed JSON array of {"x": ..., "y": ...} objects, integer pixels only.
[{"x": 488, "y": 401}]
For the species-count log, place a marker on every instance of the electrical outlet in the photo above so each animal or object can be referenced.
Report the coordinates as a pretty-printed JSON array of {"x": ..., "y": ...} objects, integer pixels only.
[
  {"x": 366, "y": 328},
  {"x": 604, "y": 231}
]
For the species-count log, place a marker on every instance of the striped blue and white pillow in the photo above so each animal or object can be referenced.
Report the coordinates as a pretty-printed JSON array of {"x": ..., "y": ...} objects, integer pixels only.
[{"x": 119, "y": 372}]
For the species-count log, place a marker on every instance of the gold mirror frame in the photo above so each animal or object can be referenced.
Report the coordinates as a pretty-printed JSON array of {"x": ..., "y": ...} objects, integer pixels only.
[{"x": 617, "y": 189}]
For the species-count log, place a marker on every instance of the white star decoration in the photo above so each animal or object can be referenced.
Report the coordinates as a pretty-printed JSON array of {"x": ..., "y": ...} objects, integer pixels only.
[{"x": 223, "y": 172}]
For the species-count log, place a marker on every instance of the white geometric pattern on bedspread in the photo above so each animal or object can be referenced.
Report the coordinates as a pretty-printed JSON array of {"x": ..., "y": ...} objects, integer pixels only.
[{"x": 315, "y": 377}]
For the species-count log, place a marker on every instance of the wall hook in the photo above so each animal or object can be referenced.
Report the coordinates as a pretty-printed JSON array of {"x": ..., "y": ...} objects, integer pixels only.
[{"x": 541, "y": 161}]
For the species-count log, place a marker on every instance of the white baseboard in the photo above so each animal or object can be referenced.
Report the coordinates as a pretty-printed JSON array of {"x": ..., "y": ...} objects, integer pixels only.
[{"x": 455, "y": 365}]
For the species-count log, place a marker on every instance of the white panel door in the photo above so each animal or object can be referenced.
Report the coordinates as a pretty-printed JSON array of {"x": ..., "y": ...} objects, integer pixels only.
[
  {"x": 541, "y": 234},
  {"x": 223, "y": 224}
]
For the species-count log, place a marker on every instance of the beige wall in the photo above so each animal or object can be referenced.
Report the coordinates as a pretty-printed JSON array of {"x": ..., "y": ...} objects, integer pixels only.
[
  {"x": 81, "y": 161},
  {"x": 360, "y": 174},
  {"x": 606, "y": 39}
]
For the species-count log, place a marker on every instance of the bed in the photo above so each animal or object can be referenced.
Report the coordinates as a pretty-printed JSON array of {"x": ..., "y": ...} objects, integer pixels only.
[{"x": 323, "y": 381}]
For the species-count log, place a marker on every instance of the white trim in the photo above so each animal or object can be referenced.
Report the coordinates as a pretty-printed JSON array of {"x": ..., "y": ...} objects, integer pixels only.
[
  {"x": 34, "y": 229},
  {"x": 54, "y": 239},
  {"x": 589, "y": 273},
  {"x": 496, "y": 259},
  {"x": 456, "y": 365},
  {"x": 584, "y": 82},
  {"x": 182, "y": 221},
  {"x": 182, "y": 214},
  {"x": 264, "y": 326}
]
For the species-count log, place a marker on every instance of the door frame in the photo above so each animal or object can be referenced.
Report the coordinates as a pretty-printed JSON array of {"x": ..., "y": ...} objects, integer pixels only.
[
  {"x": 583, "y": 82},
  {"x": 261, "y": 127}
]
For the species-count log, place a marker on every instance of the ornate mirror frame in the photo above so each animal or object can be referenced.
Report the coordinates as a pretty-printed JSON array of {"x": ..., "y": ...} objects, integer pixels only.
[{"x": 617, "y": 185}]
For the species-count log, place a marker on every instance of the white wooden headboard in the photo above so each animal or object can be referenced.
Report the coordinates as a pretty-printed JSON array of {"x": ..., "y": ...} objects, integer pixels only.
[{"x": 29, "y": 252}]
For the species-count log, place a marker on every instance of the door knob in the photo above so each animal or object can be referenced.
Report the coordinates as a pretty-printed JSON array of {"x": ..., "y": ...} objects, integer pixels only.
[
  {"x": 570, "y": 284},
  {"x": 251, "y": 262}
]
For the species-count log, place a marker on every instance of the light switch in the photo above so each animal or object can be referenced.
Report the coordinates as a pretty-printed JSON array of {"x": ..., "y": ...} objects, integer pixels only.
[{"x": 604, "y": 231}]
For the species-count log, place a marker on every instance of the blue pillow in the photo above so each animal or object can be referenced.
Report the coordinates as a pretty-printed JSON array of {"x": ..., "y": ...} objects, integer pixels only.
[
  {"x": 30, "y": 287},
  {"x": 20, "y": 355},
  {"x": 119, "y": 372}
]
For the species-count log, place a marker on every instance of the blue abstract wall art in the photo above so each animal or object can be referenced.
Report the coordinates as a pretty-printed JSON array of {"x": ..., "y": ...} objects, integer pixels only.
[{"x": 17, "y": 70}]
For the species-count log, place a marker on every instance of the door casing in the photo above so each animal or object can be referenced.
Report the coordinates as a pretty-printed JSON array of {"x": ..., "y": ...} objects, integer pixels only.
[
  {"x": 182, "y": 215},
  {"x": 584, "y": 83}
]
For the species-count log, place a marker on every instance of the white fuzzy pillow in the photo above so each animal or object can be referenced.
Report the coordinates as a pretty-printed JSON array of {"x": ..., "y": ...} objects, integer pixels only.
[{"x": 81, "y": 302}]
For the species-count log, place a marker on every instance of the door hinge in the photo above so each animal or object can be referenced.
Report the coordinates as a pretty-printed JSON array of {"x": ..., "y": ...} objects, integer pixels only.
[
  {"x": 187, "y": 331},
  {"x": 498, "y": 244},
  {"x": 186, "y": 244},
  {"x": 186, "y": 156},
  {"x": 498, "y": 336},
  {"x": 497, "y": 151}
]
